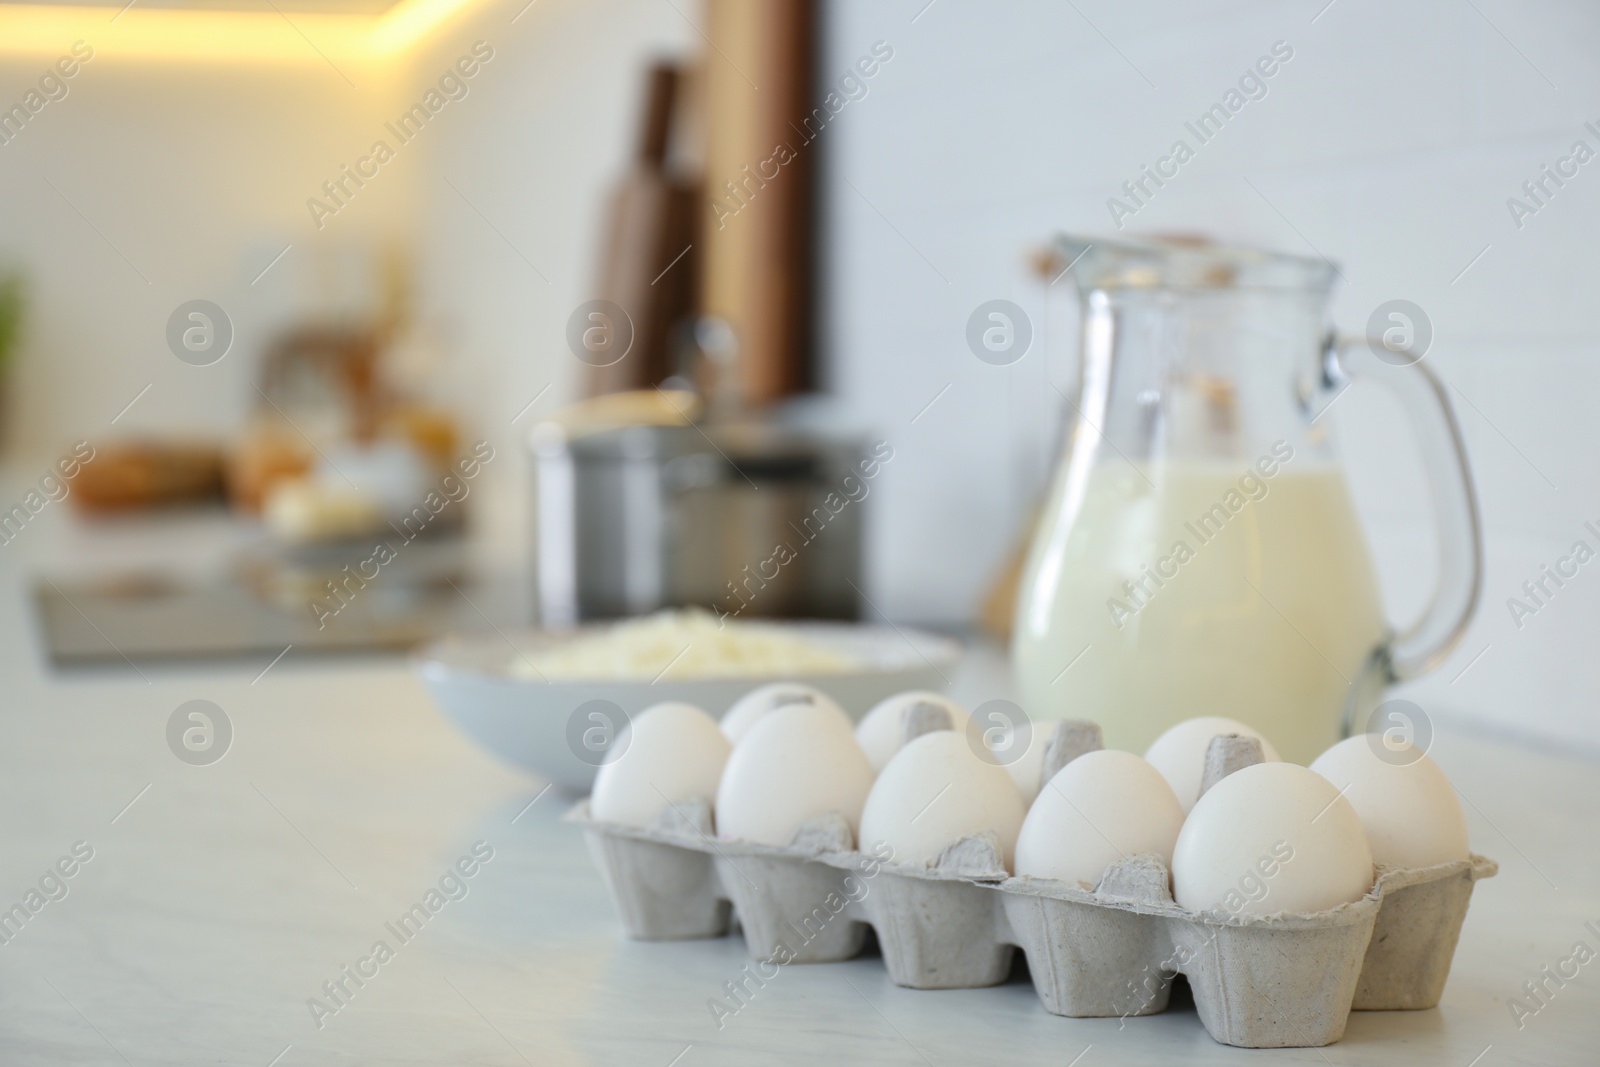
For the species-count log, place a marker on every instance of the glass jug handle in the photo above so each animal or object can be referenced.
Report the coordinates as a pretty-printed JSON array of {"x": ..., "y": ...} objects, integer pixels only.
[{"x": 1425, "y": 644}]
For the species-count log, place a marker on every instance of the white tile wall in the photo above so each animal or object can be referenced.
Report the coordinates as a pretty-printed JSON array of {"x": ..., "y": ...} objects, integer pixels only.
[{"x": 1389, "y": 142}]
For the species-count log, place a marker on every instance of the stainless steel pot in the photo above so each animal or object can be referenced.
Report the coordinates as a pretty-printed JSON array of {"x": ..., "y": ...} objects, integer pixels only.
[{"x": 746, "y": 520}]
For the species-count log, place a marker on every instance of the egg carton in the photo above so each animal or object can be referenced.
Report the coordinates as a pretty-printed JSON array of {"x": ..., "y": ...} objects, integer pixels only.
[{"x": 1273, "y": 981}]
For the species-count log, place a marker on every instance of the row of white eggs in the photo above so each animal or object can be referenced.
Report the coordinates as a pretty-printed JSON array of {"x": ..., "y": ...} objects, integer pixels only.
[{"x": 1274, "y": 837}]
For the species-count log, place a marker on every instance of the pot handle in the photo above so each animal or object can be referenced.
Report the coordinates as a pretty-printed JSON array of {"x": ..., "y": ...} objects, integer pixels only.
[{"x": 1425, "y": 644}]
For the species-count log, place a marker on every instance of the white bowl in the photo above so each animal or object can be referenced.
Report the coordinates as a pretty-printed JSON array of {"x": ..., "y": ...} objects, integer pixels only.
[{"x": 526, "y": 721}]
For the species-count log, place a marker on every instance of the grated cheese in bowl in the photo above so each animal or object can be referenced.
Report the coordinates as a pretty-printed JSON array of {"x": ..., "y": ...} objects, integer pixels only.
[{"x": 682, "y": 644}]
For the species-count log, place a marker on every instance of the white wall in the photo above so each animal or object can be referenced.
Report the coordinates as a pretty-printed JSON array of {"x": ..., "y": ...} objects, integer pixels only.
[
  {"x": 184, "y": 181},
  {"x": 1390, "y": 143}
]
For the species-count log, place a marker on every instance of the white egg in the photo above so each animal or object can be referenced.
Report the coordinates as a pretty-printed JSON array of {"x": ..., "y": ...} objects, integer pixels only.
[
  {"x": 1180, "y": 753},
  {"x": 1097, "y": 809},
  {"x": 879, "y": 731},
  {"x": 935, "y": 791},
  {"x": 1027, "y": 769},
  {"x": 749, "y": 709},
  {"x": 796, "y": 763},
  {"x": 1408, "y": 807},
  {"x": 1275, "y": 837},
  {"x": 673, "y": 752}
]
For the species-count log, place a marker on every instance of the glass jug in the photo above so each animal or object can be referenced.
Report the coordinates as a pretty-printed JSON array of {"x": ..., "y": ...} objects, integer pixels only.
[{"x": 1199, "y": 553}]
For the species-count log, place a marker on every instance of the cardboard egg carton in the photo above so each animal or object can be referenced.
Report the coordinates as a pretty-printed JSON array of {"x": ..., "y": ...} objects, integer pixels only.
[
  {"x": 811, "y": 901},
  {"x": 1284, "y": 980}
]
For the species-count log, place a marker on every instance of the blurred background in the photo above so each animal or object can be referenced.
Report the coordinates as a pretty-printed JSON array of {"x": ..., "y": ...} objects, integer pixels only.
[{"x": 795, "y": 207}]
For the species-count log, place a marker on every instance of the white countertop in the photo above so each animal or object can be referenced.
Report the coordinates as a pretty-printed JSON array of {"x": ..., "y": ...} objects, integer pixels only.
[{"x": 226, "y": 895}]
